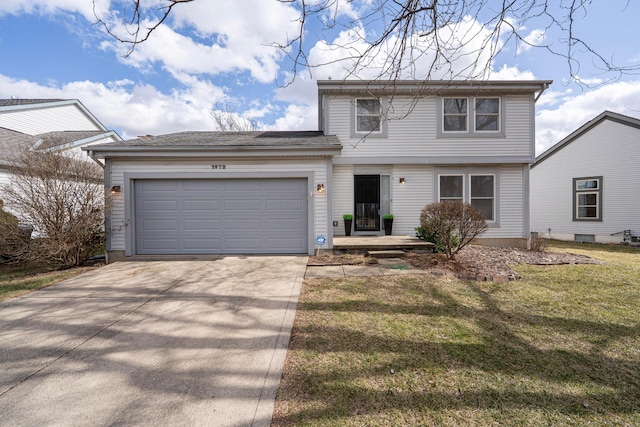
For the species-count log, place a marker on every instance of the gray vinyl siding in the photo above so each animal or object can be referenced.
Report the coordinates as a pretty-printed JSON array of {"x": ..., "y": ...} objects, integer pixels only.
[
  {"x": 40, "y": 120},
  {"x": 412, "y": 131},
  {"x": 610, "y": 150},
  {"x": 420, "y": 189},
  {"x": 121, "y": 169}
]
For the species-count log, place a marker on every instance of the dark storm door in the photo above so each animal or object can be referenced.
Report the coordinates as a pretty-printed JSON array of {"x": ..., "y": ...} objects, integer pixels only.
[{"x": 367, "y": 202}]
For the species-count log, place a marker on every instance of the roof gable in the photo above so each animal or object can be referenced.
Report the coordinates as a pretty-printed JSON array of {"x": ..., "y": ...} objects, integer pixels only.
[{"x": 606, "y": 115}]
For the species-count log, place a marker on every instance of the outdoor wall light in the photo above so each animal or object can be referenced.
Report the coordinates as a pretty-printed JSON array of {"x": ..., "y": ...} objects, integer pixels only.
[
  {"x": 115, "y": 189},
  {"x": 402, "y": 180},
  {"x": 320, "y": 188}
]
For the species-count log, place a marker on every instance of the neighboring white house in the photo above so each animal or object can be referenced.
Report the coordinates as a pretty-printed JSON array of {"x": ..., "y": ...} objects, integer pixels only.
[
  {"x": 47, "y": 125},
  {"x": 381, "y": 148},
  {"x": 585, "y": 188}
]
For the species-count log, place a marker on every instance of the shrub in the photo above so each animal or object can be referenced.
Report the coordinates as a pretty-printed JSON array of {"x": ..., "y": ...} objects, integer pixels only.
[
  {"x": 387, "y": 216},
  {"x": 13, "y": 241},
  {"x": 452, "y": 224},
  {"x": 347, "y": 217},
  {"x": 537, "y": 243},
  {"x": 62, "y": 197}
]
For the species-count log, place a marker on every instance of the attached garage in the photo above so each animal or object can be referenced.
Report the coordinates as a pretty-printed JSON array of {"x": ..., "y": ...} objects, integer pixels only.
[
  {"x": 218, "y": 193},
  {"x": 221, "y": 216}
]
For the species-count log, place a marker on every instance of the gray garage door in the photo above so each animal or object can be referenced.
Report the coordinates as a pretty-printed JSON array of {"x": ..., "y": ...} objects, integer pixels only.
[{"x": 230, "y": 216}]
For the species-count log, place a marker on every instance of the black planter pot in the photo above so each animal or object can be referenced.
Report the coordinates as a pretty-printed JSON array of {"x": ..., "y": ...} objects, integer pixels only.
[
  {"x": 347, "y": 227},
  {"x": 388, "y": 226}
]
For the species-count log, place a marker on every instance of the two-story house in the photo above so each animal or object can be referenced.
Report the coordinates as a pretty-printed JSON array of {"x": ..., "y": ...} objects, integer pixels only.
[
  {"x": 380, "y": 148},
  {"x": 60, "y": 125}
]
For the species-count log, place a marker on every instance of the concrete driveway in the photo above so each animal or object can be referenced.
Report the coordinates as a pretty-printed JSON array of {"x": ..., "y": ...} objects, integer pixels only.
[{"x": 183, "y": 342}]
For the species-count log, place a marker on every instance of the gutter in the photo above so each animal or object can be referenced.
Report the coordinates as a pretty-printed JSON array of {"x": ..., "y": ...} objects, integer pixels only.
[
  {"x": 95, "y": 159},
  {"x": 545, "y": 86}
]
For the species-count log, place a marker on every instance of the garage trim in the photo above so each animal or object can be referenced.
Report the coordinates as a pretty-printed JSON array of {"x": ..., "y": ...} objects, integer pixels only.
[{"x": 129, "y": 205}]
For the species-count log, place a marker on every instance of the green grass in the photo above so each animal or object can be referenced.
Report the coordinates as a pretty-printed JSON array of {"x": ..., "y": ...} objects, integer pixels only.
[
  {"x": 560, "y": 347},
  {"x": 19, "y": 279}
]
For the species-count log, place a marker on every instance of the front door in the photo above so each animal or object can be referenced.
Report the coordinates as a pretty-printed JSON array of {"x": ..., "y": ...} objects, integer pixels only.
[{"x": 367, "y": 202}]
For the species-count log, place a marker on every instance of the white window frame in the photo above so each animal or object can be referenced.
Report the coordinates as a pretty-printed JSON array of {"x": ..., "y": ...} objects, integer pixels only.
[
  {"x": 498, "y": 114},
  {"x": 466, "y": 115},
  {"x": 471, "y": 119},
  {"x": 461, "y": 198},
  {"x": 577, "y": 192},
  {"x": 357, "y": 116},
  {"x": 492, "y": 198}
]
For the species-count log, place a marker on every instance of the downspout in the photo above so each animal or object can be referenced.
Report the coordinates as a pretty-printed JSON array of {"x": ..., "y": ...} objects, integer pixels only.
[{"x": 95, "y": 159}]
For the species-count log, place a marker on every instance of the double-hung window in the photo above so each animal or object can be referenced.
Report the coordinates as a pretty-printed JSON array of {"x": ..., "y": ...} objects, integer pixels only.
[
  {"x": 482, "y": 194},
  {"x": 481, "y": 191},
  {"x": 471, "y": 116},
  {"x": 587, "y": 196},
  {"x": 368, "y": 115},
  {"x": 487, "y": 114},
  {"x": 455, "y": 114},
  {"x": 451, "y": 187}
]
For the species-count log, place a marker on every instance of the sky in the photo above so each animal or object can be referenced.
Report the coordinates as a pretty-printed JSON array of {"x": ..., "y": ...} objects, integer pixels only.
[{"x": 219, "y": 55}]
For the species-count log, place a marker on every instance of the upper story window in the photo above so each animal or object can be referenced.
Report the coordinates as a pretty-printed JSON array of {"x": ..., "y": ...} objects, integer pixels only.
[
  {"x": 368, "y": 115},
  {"x": 455, "y": 112},
  {"x": 587, "y": 196},
  {"x": 471, "y": 116},
  {"x": 487, "y": 117}
]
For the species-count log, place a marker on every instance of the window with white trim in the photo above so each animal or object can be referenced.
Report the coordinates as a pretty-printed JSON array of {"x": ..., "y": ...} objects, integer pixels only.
[
  {"x": 368, "y": 115},
  {"x": 455, "y": 114},
  {"x": 587, "y": 196},
  {"x": 451, "y": 187},
  {"x": 471, "y": 116},
  {"x": 487, "y": 114},
  {"x": 482, "y": 188},
  {"x": 481, "y": 191}
]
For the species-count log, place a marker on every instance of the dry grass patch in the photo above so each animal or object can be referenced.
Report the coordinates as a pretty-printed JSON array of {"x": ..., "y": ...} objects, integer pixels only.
[
  {"x": 20, "y": 279},
  {"x": 560, "y": 347}
]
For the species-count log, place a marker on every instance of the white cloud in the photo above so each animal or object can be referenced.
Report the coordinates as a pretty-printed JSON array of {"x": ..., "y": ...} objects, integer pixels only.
[
  {"x": 45, "y": 7},
  {"x": 552, "y": 125},
  {"x": 132, "y": 109},
  {"x": 533, "y": 39}
]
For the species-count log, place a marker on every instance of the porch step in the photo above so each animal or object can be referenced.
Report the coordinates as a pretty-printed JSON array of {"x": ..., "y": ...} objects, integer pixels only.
[{"x": 386, "y": 254}]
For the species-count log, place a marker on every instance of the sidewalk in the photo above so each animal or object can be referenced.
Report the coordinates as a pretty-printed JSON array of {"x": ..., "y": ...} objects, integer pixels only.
[{"x": 385, "y": 267}]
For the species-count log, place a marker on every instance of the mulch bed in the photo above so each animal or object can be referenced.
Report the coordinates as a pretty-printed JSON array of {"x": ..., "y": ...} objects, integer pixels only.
[{"x": 480, "y": 263}]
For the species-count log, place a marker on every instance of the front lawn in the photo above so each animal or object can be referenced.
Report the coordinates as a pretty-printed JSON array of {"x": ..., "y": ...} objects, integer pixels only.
[
  {"x": 19, "y": 279},
  {"x": 559, "y": 347}
]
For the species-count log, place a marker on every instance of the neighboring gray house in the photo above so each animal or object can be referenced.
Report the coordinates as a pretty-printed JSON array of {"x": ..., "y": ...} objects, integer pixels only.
[
  {"x": 381, "y": 148},
  {"x": 585, "y": 188},
  {"x": 48, "y": 125}
]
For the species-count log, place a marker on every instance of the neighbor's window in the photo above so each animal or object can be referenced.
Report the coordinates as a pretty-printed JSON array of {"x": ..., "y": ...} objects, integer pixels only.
[
  {"x": 482, "y": 194},
  {"x": 455, "y": 114},
  {"x": 487, "y": 114},
  {"x": 451, "y": 187},
  {"x": 588, "y": 199},
  {"x": 368, "y": 115}
]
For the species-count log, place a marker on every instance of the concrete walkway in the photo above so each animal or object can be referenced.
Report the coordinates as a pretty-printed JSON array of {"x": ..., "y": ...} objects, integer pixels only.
[
  {"x": 198, "y": 342},
  {"x": 385, "y": 267}
]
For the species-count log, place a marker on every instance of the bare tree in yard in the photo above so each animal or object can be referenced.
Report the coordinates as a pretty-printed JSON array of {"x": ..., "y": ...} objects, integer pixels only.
[
  {"x": 62, "y": 197},
  {"x": 453, "y": 223},
  {"x": 416, "y": 38},
  {"x": 229, "y": 121}
]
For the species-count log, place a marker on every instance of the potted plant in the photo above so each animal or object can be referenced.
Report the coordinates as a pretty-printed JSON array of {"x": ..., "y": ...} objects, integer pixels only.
[
  {"x": 388, "y": 223},
  {"x": 348, "y": 219}
]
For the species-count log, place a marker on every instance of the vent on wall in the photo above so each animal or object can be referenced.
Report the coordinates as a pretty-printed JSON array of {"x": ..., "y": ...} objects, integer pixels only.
[{"x": 584, "y": 238}]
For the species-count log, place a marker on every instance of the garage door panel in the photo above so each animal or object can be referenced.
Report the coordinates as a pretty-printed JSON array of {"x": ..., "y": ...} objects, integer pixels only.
[
  {"x": 160, "y": 224},
  {"x": 160, "y": 205},
  {"x": 203, "y": 225},
  {"x": 202, "y": 205},
  {"x": 221, "y": 216}
]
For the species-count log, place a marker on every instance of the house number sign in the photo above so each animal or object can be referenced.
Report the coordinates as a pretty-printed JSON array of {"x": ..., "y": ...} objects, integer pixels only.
[{"x": 218, "y": 166}]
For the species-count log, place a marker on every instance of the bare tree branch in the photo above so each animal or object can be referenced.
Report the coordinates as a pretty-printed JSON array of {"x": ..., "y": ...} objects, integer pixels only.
[{"x": 418, "y": 39}]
